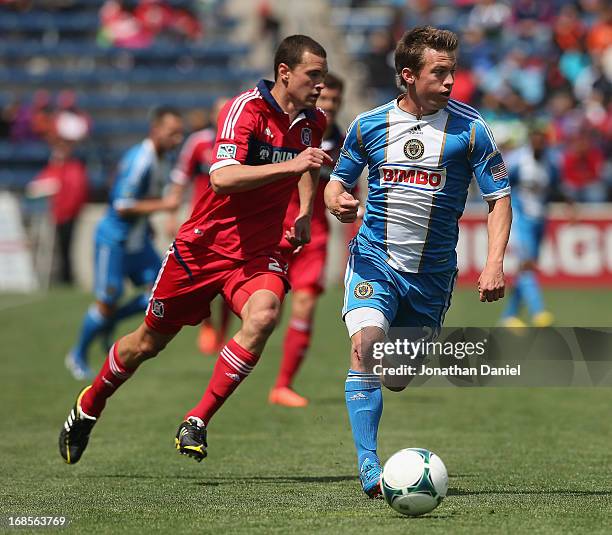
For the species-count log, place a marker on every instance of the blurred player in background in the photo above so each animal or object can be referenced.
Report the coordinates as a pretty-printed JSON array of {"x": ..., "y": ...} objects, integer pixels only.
[
  {"x": 534, "y": 175},
  {"x": 123, "y": 240},
  {"x": 307, "y": 264},
  {"x": 193, "y": 167},
  {"x": 267, "y": 142},
  {"x": 422, "y": 150}
]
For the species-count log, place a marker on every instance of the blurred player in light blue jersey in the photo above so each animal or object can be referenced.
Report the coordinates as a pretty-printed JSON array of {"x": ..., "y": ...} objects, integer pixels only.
[
  {"x": 123, "y": 244},
  {"x": 533, "y": 176},
  {"x": 421, "y": 150}
]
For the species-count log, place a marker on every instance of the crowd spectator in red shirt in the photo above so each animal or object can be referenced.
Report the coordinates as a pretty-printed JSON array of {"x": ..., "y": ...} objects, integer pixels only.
[
  {"x": 65, "y": 181},
  {"x": 582, "y": 169}
]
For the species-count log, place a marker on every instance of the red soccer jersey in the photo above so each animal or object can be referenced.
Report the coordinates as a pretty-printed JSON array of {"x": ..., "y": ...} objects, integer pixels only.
[
  {"x": 252, "y": 129},
  {"x": 320, "y": 226},
  {"x": 194, "y": 162}
]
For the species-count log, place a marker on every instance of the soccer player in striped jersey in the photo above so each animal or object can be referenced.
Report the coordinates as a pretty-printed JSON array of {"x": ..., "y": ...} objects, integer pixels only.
[
  {"x": 268, "y": 141},
  {"x": 123, "y": 240},
  {"x": 534, "y": 177},
  {"x": 422, "y": 150}
]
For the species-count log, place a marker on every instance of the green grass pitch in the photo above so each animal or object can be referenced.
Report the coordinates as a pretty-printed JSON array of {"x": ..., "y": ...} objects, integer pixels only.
[{"x": 520, "y": 460}]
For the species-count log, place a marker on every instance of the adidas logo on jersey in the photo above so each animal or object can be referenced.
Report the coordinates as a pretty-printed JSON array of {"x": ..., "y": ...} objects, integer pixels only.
[
  {"x": 419, "y": 178},
  {"x": 415, "y": 130},
  {"x": 233, "y": 376},
  {"x": 358, "y": 396}
]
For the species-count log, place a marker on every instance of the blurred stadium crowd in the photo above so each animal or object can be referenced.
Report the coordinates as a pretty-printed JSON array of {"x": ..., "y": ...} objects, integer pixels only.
[
  {"x": 77, "y": 77},
  {"x": 544, "y": 64}
]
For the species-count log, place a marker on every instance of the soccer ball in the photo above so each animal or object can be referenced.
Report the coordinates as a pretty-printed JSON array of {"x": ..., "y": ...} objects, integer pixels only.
[{"x": 414, "y": 481}]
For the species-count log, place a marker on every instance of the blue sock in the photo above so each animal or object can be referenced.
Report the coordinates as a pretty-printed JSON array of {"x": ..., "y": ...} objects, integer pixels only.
[
  {"x": 530, "y": 291},
  {"x": 136, "y": 305},
  {"x": 364, "y": 404},
  {"x": 514, "y": 303},
  {"x": 93, "y": 324}
]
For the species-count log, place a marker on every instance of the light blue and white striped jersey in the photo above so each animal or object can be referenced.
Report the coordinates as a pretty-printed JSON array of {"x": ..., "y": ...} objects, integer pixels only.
[
  {"x": 141, "y": 175},
  {"x": 419, "y": 173}
]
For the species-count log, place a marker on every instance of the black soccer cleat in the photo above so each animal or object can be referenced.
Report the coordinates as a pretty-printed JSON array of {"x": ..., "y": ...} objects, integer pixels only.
[
  {"x": 75, "y": 432},
  {"x": 191, "y": 438}
]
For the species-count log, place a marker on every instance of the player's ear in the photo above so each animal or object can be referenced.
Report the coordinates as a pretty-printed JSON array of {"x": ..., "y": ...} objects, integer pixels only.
[
  {"x": 408, "y": 76},
  {"x": 283, "y": 72}
]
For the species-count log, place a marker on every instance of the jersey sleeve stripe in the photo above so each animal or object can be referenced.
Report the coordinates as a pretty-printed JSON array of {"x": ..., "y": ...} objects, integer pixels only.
[
  {"x": 223, "y": 163},
  {"x": 342, "y": 181},
  {"x": 237, "y": 115},
  {"x": 504, "y": 192},
  {"x": 233, "y": 107}
]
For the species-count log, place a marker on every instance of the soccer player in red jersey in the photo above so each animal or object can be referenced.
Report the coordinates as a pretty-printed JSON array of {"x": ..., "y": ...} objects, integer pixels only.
[
  {"x": 193, "y": 167},
  {"x": 307, "y": 264},
  {"x": 268, "y": 141}
]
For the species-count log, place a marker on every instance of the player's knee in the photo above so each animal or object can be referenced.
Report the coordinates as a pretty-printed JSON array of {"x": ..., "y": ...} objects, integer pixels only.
[
  {"x": 105, "y": 309},
  {"x": 264, "y": 320},
  {"x": 363, "y": 347}
]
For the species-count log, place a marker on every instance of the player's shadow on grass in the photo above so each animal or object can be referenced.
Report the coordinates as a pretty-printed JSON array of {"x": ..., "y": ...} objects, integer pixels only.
[
  {"x": 214, "y": 481},
  {"x": 453, "y": 491}
]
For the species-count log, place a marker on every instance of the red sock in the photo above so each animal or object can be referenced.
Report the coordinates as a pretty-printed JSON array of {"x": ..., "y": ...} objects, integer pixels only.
[
  {"x": 233, "y": 365},
  {"x": 297, "y": 341},
  {"x": 112, "y": 375}
]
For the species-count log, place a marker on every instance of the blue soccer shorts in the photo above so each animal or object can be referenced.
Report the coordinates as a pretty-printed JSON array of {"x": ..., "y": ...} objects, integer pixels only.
[
  {"x": 405, "y": 299},
  {"x": 113, "y": 264}
]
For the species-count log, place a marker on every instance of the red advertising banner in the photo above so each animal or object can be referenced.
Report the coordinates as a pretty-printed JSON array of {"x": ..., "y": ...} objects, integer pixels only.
[{"x": 574, "y": 253}]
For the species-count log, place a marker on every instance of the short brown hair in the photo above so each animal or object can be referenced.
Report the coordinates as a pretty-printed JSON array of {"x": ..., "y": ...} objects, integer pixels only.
[
  {"x": 334, "y": 82},
  {"x": 409, "y": 52},
  {"x": 292, "y": 48}
]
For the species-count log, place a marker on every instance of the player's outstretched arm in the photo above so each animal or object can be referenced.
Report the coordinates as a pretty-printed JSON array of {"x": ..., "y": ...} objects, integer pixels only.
[
  {"x": 491, "y": 284},
  {"x": 168, "y": 203},
  {"x": 238, "y": 178},
  {"x": 340, "y": 203}
]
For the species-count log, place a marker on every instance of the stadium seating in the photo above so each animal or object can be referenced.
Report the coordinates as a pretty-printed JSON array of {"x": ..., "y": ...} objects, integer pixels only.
[{"x": 59, "y": 49}]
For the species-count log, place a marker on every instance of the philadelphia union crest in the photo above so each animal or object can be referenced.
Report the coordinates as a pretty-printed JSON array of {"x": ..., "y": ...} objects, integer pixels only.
[
  {"x": 306, "y": 136},
  {"x": 363, "y": 290},
  {"x": 414, "y": 149}
]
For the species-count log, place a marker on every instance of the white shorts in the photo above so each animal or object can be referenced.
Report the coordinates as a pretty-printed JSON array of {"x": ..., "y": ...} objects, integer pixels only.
[{"x": 359, "y": 318}]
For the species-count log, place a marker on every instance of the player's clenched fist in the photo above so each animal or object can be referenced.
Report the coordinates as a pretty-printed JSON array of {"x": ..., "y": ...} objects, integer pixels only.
[
  {"x": 491, "y": 284},
  {"x": 343, "y": 206},
  {"x": 311, "y": 158}
]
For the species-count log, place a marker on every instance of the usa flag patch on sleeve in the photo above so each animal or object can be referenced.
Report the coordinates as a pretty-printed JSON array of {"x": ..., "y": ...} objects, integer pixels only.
[{"x": 499, "y": 171}]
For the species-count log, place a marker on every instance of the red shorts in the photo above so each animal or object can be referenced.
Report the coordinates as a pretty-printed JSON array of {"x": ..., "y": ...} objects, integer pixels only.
[
  {"x": 307, "y": 268},
  {"x": 192, "y": 276}
]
